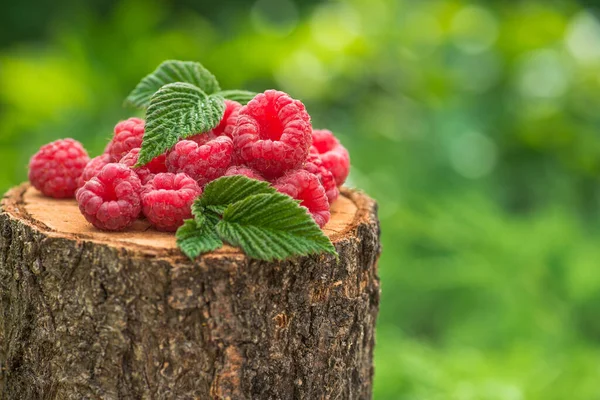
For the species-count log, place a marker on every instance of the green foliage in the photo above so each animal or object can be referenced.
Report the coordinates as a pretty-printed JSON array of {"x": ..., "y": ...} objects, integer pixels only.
[
  {"x": 227, "y": 190},
  {"x": 241, "y": 96},
  {"x": 178, "y": 110},
  {"x": 272, "y": 227},
  {"x": 194, "y": 239},
  {"x": 266, "y": 224},
  {"x": 172, "y": 71}
]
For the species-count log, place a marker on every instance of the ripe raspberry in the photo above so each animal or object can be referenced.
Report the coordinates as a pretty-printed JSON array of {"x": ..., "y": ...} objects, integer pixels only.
[
  {"x": 202, "y": 138},
  {"x": 55, "y": 169},
  {"x": 92, "y": 168},
  {"x": 315, "y": 166},
  {"x": 272, "y": 134},
  {"x": 335, "y": 157},
  {"x": 239, "y": 170},
  {"x": 145, "y": 173},
  {"x": 128, "y": 135},
  {"x": 111, "y": 199},
  {"x": 225, "y": 127},
  {"x": 167, "y": 200},
  {"x": 302, "y": 185},
  {"x": 205, "y": 162}
]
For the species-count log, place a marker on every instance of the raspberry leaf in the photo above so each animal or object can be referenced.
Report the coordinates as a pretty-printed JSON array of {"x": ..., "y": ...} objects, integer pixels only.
[
  {"x": 241, "y": 96},
  {"x": 227, "y": 190},
  {"x": 266, "y": 224},
  {"x": 172, "y": 71},
  {"x": 176, "y": 111},
  {"x": 198, "y": 212},
  {"x": 272, "y": 227},
  {"x": 205, "y": 215},
  {"x": 194, "y": 239}
]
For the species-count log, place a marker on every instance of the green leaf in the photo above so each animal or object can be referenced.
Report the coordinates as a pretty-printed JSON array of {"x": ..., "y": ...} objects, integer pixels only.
[
  {"x": 176, "y": 111},
  {"x": 227, "y": 190},
  {"x": 266, "y": 224},
  {"x": 241, "y": 96},
  {"x": 194, "y": 239},
  {"x": 205, "y": 215},
  {"x": 198, "y": 212},
  {"x": 170, "y": 72},
  {"x": 217, "y": 209},
  {"x": 272, "y": 226}
]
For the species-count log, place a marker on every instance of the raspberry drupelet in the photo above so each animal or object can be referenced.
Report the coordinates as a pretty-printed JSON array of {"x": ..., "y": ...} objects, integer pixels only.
[
  {"x": 202, "y": 138},
  {"x": 272, "y": 134},
  {"x": 241, "y": 170},
  {"x": 92, "y": 168},
  {"x": 56, "y": 168},
  {"x": 203, "y": 163},
  {"x": 315, "y": 166},
  {"x": 147, "y": 172},
  {"x": 167, "y": 200},
  {"x": 111, "y": 200},
  {"x": 225, "y": 127},
  {"x": 304, "y": 186},
  {"x": 128, "y": 135},
  {"x": 335, "y": 157}
]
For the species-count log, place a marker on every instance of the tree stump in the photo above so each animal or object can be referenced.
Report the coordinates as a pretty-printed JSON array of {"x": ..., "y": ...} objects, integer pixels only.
[{"x": 86, "y": 314}]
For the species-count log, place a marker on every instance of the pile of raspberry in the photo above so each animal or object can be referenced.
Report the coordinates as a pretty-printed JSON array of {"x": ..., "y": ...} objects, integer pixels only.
[{"x": 269, "y": 139}]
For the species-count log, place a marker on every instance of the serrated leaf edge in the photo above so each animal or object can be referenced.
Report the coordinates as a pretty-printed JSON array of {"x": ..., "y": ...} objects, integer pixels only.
[
  {"x": 159, "y": 135},
  {"x": 169, "y": 69}
]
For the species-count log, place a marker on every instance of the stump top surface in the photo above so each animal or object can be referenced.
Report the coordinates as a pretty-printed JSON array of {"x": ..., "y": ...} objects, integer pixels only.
[{"x": 61, "y": 217}]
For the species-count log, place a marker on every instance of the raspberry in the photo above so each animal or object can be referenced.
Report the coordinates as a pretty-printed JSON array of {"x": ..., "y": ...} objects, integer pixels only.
[
  {"x": 315, "y": 166},
  {"x": 335, "y": 157},
  {"x": 55, "y": 169},
  {"x": 304, "y": 186},
  {"x": 202, "y": 138},
  {"x": 111, "y": 199},
  {"x": 225, "y": 127},
  {"x": 272, "y": 134},
  {"x": 239, "y": 170},
  {"x": 167, "y": 200},
  {"x": 128, "y": 135},
  {"x": 205, "y": 162},
  {"x": 145, "y": 173},
  {"x": 92, "y": 168}
]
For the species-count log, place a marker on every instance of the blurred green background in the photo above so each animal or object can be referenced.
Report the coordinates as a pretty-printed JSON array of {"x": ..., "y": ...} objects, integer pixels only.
[{"x": 475, "y": 125}]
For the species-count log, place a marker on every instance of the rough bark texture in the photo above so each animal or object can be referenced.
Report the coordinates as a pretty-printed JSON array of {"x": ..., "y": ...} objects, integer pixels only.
[{"x": 81, "y": 319}]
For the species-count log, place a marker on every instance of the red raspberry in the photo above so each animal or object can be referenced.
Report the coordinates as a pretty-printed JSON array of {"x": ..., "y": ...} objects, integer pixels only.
[
  {"x": 128, "y": 135},
  {"x": 145, "y": 173},
  {"x": 167, "y": 200},
  {"x": 335, "y": 157},
  {"x": 239, "y": 170},
  {"x": 111, "y": 199},
  {"x": 202, "y": 138},
  {"x": 92, "y": 168},
  {"x": 315, "y": 166},
  {"x": 55, "y": 169},
  {"x": 225, "y": 127},
  {"x": 205, "y": 162},
  {"x": 302, "y": 185},
  {"x": 272, "y": 134}
]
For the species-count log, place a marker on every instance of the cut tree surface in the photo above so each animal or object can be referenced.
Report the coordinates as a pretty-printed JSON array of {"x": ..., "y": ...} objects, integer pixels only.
[
  {"x": 124, "y": 315},
  {"x": 62, "y": 217}
]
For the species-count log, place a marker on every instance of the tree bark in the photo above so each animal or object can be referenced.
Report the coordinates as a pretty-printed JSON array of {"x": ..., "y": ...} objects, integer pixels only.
[{"x": 93, "y": 315}]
